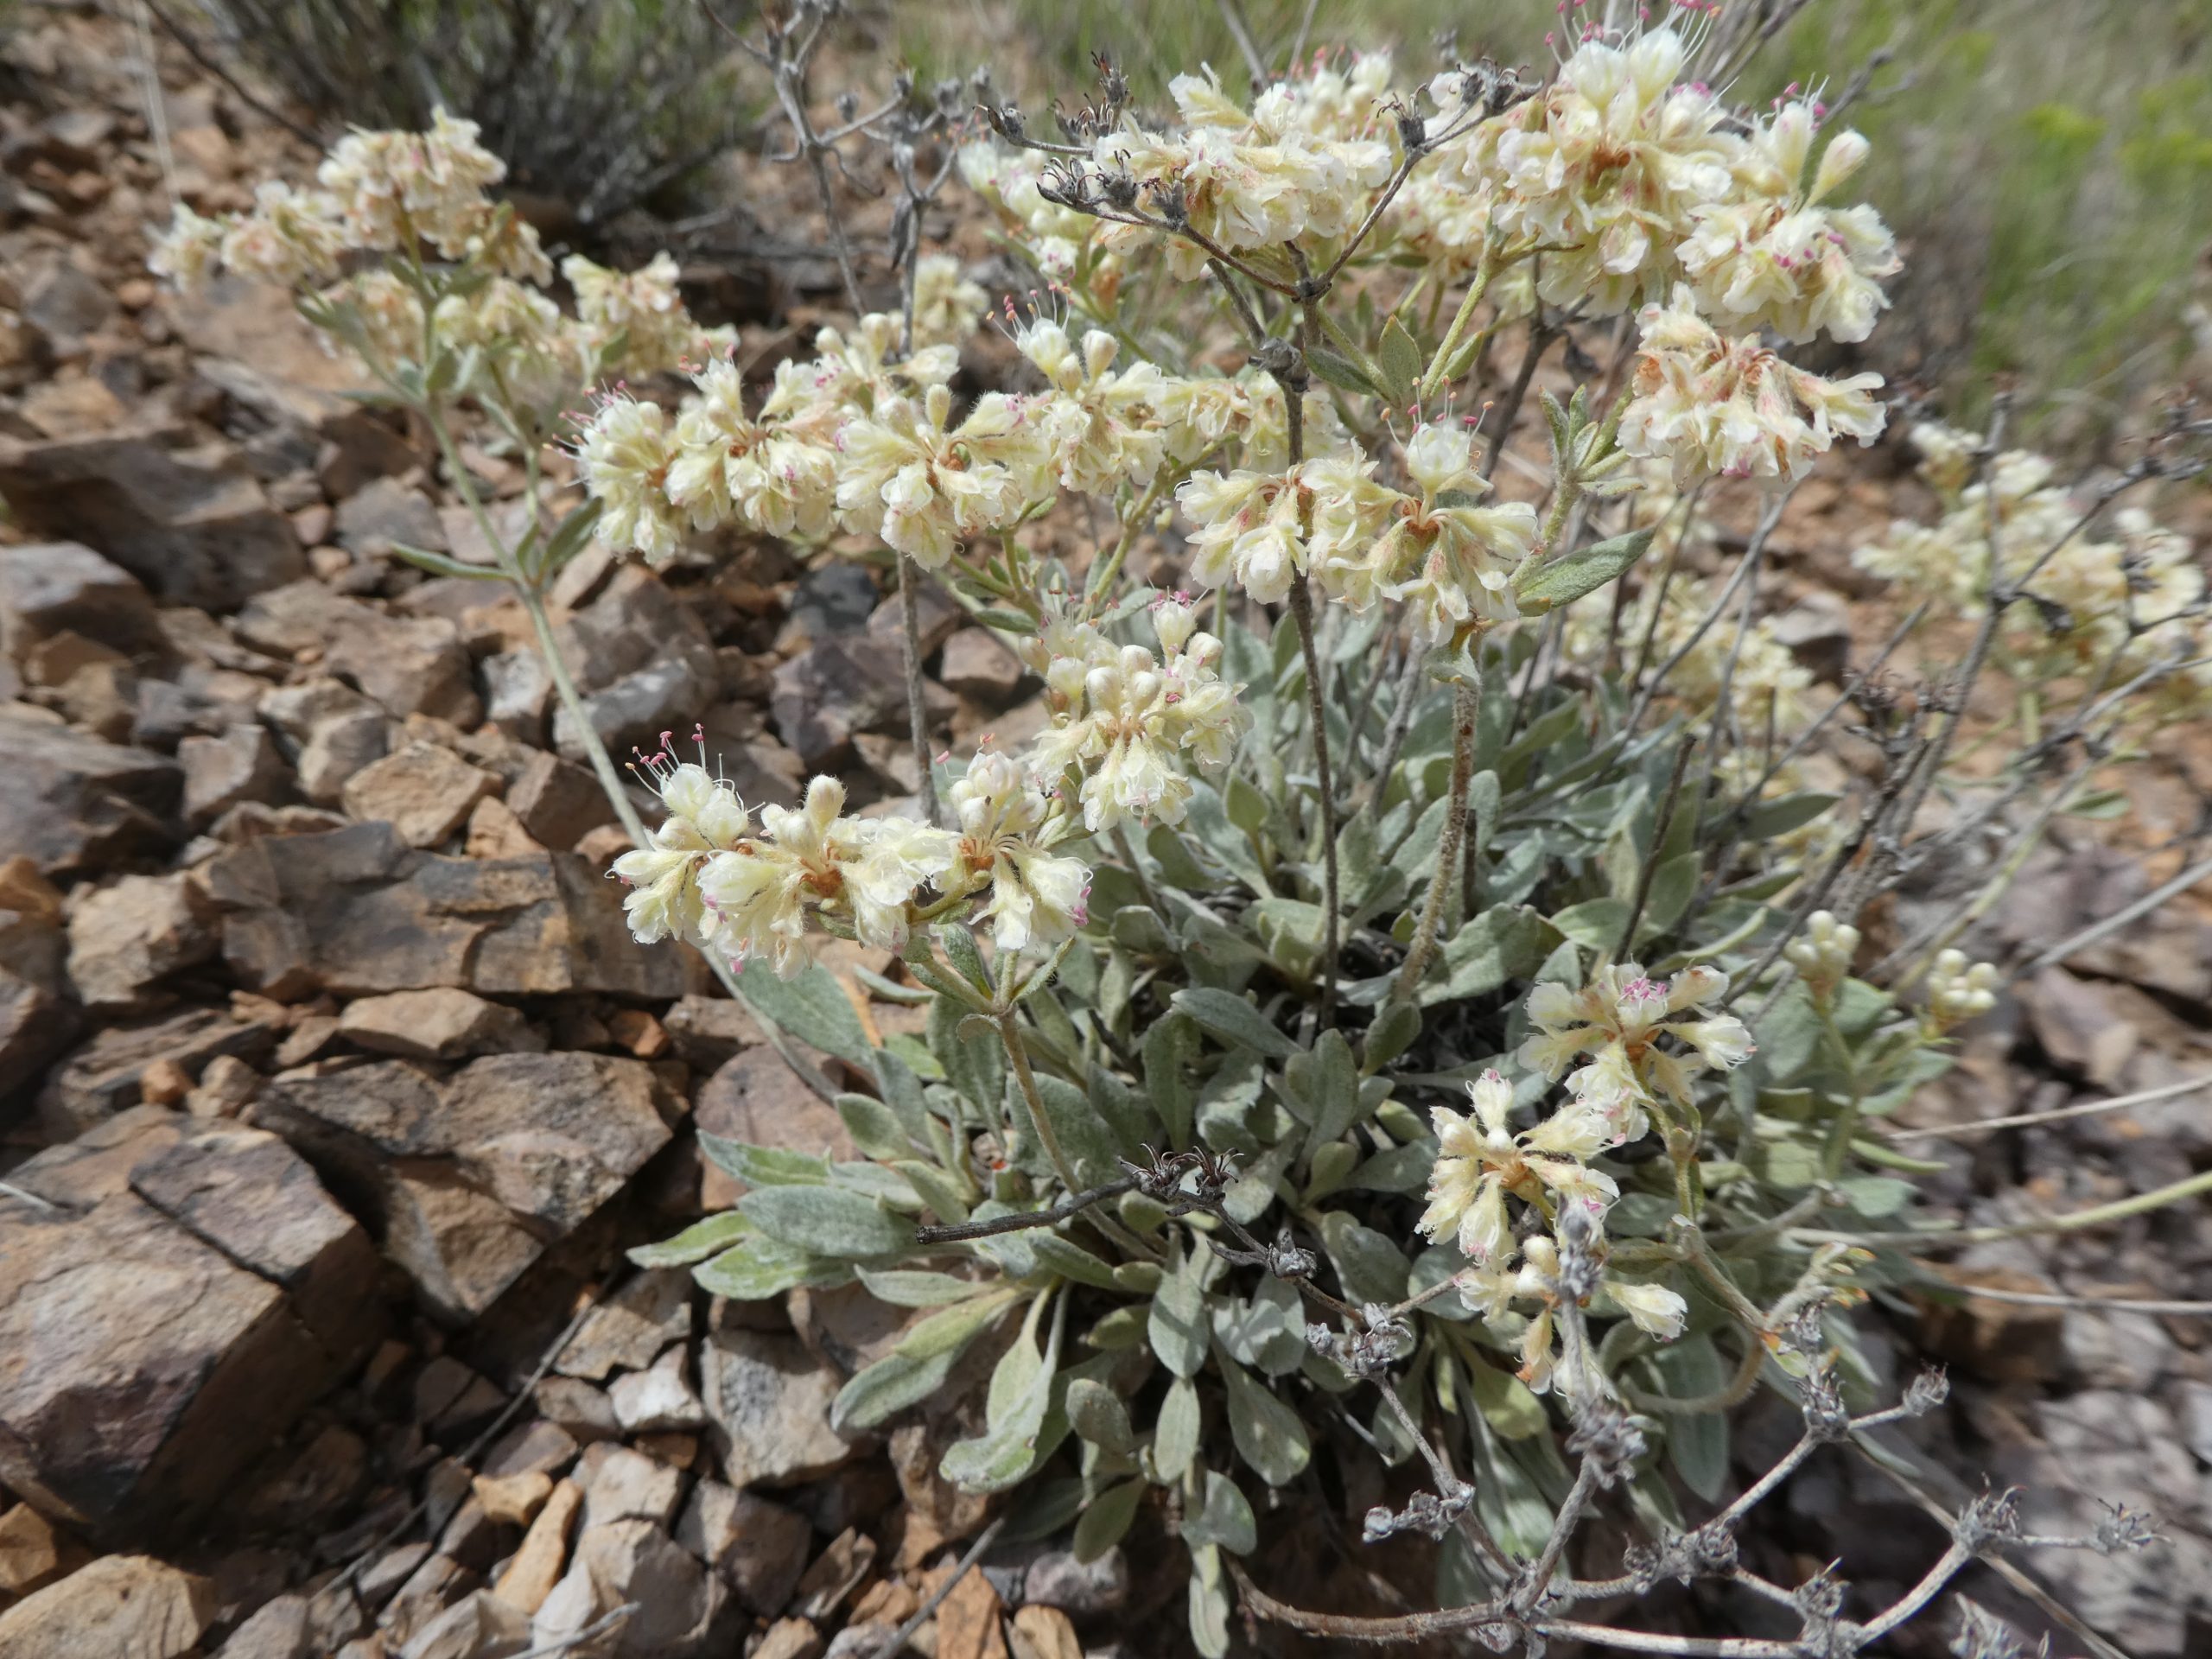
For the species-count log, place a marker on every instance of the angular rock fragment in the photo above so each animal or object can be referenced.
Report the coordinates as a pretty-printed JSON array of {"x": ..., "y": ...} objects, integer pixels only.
[
  {"x": 769, "y": 1402},
  {"x": 357, "y": 912},
  {"x": 188, "y": 520},
  {"x": 424, "y": 791},
  {"x": 468, "y": 1180},
  {"x": 128, "y": 937},
  {"x": 105, "y": 1075},
  {"x": 117, "y": 1607},
  {"x": 54, "y": 587},
  {"x": 72, "y": 805},
  {"x": 181, "y": 1294},
  {"x": 240, "y": 764},
  {"x": 442, "y": 1024}
]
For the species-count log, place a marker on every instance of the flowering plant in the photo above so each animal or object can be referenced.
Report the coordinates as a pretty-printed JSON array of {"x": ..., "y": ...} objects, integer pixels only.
[{"x": 1432, "y": 792}]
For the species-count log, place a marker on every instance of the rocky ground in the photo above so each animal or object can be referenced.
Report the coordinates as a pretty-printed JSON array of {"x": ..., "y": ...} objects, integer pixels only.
[{"x": 333, "y": 1090}]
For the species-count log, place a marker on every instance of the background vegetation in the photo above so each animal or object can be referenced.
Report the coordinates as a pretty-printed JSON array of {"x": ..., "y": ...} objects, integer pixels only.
[{"x": 2048, "y": 164}]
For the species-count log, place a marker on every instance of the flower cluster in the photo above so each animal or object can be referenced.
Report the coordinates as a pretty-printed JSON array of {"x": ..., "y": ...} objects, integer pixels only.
[
  {"x": 705, "y": 878},
  {"x": 1481, "y": 1162},
  {"x": 417, "y": 201},
  {"x": 1959, "y": 990},
  {"x": 1243, "y": 179},
  {"x": 2111, "y": 598},
  {"x": 1133, "y": 723},
  {"x": 1718, "y": 408},
  {"x": 1614, "y": 1024},
  {"x": 1822, "y": 955},
  {"x": 1451, "y": 564}
]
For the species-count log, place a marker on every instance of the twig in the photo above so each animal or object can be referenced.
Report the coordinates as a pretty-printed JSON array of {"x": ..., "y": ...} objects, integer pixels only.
[
  {"x": 922, "y": 1614},
  {"x": 2104, "y": 1304},
  {"x": 958, "y": 1232},
  {"x": 214, "y": 67},
  {"x": 399, "y": 1529},
  {"x": 2142, "y": 907},
  {"x": 2056, "y": 1115}
]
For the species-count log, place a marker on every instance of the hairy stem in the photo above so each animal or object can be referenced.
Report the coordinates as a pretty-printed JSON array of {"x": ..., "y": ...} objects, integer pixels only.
[
  {"x": 1466, "y": 711},
  {"x": 1301, "y": 610}
]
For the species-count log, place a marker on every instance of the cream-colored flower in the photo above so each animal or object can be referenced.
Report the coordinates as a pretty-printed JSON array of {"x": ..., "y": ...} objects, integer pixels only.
[
  {"x": 623, "y": 456},
  {"x": 705, "y": 817},
  {"x": 814, "y": 857},
  {"x": 1959, "y": 990},
  {"x": 729, "y": 465},
  {"x": 1129, "y": 723},
  {"x": 1822, "y": 954},
  {"x": 1101, "y": 424},
  {"x": 1603, "y": 168},
  {"x": 289, "y": 238},
  {"x": 1773, "y": 256},
  {"x": 1656, "y": 1309},
  {"x": 1617, "y": 1020},
  {"x": 1480, "y": 1160},
  {"x": 924, "y": 486},
  {"x": 1451, "y": 563},
  {"x": 392, "y": 187},
  {"x": 640, "y": 309},
  {"x": 1034, "y": 898},
  {"x": 188, "y": 251},
  {"x": 1715, "y": 408},
  {"x": 948, "y": 307}
]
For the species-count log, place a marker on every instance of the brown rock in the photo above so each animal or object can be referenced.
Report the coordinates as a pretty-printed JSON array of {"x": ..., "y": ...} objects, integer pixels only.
[
  {"x": 226, "y": 1088},
  {"x": 2002, "y": 1342},
  {"x": 55, "y": 587},
  {"x": 578, "y": 1407},
  {"x": 72, "y": 805},
  {"x": 1044, "y": 1633},
  {"x": 759, "y": 1547},
  {"x": 639, "y": 1033},
  {"x": 838, "y": 687},
  {"x": 769, "y": 1403},
  {"x": 494, "y": 831},
  {"x": 331, "y": 731},
  {"x": 678, "y": 1601},
  {"x": 558, "y": 802},
  {"x": 976, "y": 665},
  {"x": 192, "y": 1290},
  {"x": 440, "y": 1024},
  {"x": 118, "y": 1607},
  {"x": 243, "y": 763},
  {"x": 357, "y": 912},
  {"x": 105, "y": 1075},
  {"x": 190, "y": 521},
  {"x": 836, "y": 1573},
  {"x": 480, "y": 1626},
  {"x": 470, "y": 1179},
  {"x": 657, "y": 1403},
  {"x": 631, "y": 1328},
  {"x": 385, "y": 513},
  {"x": 165, "y": 1084},
  {"x": 538, "y": 1447},
  {"x": 758, "y": 1099},
  {"x": 536, "y": 1566},
  {"x": 620, "y": 1484},
  {"x": 424, "y": 791},
  {"x": 708, "y": 1031},
  {"x": 126, "y": 937},
  {"x": 968, "y": 1621},
  {"x": 642, "y": 659},
  {"x": 514, "y": 1500},
  {"x": 29, "y": 1555},
  {"x": 790, "y": 1638}
]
